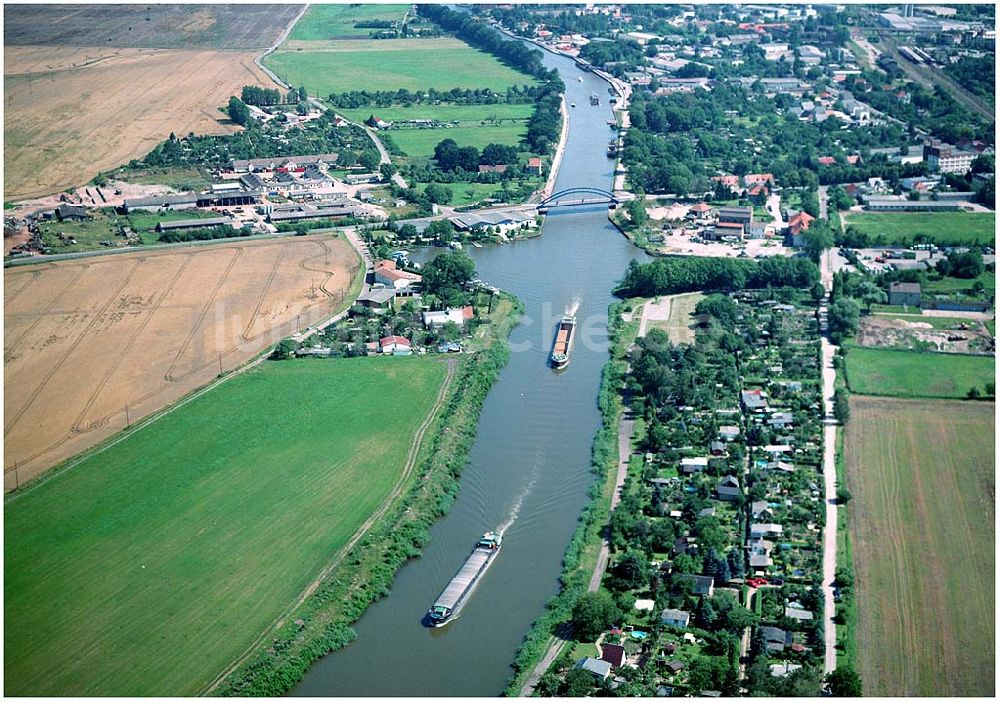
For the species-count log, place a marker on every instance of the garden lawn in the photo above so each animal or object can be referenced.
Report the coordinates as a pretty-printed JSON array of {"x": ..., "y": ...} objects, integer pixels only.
[
  {"x": 914, "y": 374},
  {"x": 147, "y": 221},
  {"x": 150, "y": 566},
  {"x": 332, "y": 21},
  {"x": 946, "y": 228},
  {"x": 921, "y": 520},
  {"x": 390, "y": 64}
]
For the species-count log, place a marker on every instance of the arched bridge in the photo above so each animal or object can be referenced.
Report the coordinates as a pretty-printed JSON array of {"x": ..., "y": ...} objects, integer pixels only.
[{"x": 574, "y": 197}]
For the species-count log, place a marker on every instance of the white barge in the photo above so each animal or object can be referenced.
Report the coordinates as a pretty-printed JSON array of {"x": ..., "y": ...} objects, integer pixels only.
[{"x": 450, "y": 602}]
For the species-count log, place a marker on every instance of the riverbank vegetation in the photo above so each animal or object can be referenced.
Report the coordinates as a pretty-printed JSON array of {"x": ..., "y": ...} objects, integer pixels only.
[{"x": 671, "y": 275}]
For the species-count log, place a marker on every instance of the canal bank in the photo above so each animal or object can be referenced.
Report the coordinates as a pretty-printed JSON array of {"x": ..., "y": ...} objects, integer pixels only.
[{"x": 530, "y": 467}]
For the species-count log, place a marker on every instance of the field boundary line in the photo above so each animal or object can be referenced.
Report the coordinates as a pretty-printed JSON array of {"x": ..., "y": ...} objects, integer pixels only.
[{"x": 338, "y": 556}]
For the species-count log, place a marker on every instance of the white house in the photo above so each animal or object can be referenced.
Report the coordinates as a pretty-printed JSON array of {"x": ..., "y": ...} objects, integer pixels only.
[{"x": 387, "y": 274}]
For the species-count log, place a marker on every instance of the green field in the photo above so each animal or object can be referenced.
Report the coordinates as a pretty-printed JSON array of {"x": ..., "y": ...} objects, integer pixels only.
[
  {"x": 912, "y": 374},
  {"x": 148, "y": 567},
  {"x": 922, "y": 514},
  {"x": 389, "y": 64},
  {"x": 935, "y": 322},
  {"x": 944, "y": 227},
  {"x": 478, "y": 125},
  {"x": 958, "y": 285},
  {"x": 330, "y": 21}
]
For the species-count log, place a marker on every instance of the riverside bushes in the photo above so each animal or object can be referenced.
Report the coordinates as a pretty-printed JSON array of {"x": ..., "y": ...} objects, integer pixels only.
[{"x": 322, "y": 623}]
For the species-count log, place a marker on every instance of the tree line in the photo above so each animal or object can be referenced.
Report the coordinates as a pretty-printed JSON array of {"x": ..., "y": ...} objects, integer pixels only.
[
  {"x": 515, "y": 94},
  {"x": 671, "y": 275}
]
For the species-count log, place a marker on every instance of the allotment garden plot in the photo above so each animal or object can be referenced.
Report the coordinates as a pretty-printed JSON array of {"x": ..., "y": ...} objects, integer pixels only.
[{"x": 85, "y": 338}]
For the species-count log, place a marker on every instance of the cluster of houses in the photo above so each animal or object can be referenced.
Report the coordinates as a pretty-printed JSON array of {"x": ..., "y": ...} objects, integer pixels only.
[
  {"x": 732, "y": 224},
  {"x": 760, "y": 465}
]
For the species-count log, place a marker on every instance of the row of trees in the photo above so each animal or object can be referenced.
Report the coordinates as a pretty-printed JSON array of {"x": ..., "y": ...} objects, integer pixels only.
[
  {"x": 263, "y": 97},
  {"x": 668, "y": 276},
  {"x": 452, "y": 157},
  {"x": 517, "y": 94}
]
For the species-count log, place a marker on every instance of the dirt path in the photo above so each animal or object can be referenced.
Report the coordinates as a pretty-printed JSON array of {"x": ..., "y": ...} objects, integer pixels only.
[
  {"x": 388, "y": 503},
  {"x": 657, "y": 309},
  {"x": 829, "y": 482}
]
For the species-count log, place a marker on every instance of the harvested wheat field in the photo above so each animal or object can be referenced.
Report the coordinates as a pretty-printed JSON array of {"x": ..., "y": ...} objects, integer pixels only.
[
  {"x": 922, "y": 477},
  {"x": 73, "y": 112},
  {"x": 84, "y": 338}
]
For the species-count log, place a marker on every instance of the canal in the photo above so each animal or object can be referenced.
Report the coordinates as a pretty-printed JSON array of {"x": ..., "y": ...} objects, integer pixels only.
[{"x": 529, "y": 469}]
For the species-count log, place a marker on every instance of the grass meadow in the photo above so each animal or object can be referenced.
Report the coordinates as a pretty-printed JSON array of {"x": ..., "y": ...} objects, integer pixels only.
[
  {"x": 922, "y": 478},
  {"x": 478, "y": 125},
  {"x": 149, "y": 566},
  {"x": 326, "y": 67},
  {"x": 873, "y": 371},
  {"x": 946, "y": 228},
  {"x": 331, "y": 21}
]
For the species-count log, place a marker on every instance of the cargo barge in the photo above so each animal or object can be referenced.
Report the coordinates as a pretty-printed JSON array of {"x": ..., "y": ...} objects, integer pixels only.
[
  {"x": 450, "y": 602},
  {"x": 563, "y": 343}
]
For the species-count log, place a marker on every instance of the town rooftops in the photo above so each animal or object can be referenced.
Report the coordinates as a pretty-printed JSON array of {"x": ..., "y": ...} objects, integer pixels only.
[
  {"x": 904, "y": 287},
  {"x": 266, "y": 164},
  {"x": 393, "y": 340},
  {"x": 162, "y": 200},
  {"x": 797, "y": 613},
  {"x": 65, "y": 211},
  {"x": 675, "y": 615}
]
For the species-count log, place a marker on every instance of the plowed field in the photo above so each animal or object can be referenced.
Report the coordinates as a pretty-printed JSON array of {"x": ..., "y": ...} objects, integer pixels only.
[{"x": 86, "y": 338}]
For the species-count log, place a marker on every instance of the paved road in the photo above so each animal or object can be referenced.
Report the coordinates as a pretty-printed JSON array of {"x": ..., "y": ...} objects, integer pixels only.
[
  {"x": 830, "y": 485},
  {"x": 773, "y": 206}
]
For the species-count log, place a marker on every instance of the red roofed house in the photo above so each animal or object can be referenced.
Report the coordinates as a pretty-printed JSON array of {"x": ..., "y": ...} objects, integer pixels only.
[
  {"x": 534, "y": 165},
  {"x": 730, "y": 181},
  {"x": 758, "y": 178},
  {"x": 826, "y": 160},
  {"x": 701, "y": 209},
  {"x": 395, "y": 345},
  {"x": 386, "y": 273},
  {"x": 499, "y": 168},
  {"x": 757, "y": 190},
  {"x": 798, "y": 224},
  {"x": 613, "y": 654},
  {"x": 854, "y": 159}
]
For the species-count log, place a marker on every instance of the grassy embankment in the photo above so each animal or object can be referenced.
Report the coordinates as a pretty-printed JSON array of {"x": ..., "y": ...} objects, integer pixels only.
[
  {"x": 583, "y": 550},
  {"x": 894, "y": 373},
  {"x": 946, "y": 228},
  {"x": 155, "y": 562},
  {"x": 922, "y": 478}
]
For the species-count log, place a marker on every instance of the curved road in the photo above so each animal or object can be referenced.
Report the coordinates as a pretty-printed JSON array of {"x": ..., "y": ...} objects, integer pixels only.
[{"x": 316, "y": 102}]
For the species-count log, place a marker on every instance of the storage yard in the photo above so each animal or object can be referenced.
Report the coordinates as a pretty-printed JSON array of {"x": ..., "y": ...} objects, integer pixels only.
[{"x": 86, "y": 338}]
